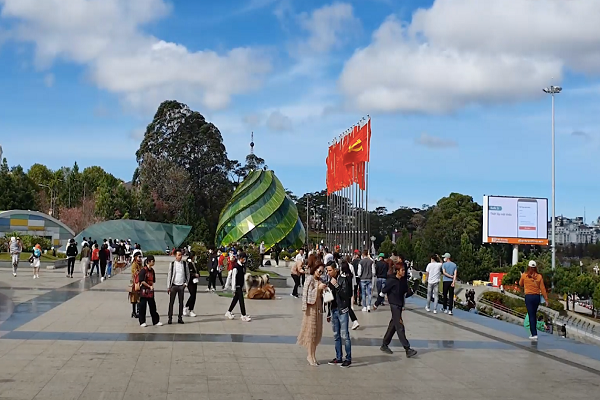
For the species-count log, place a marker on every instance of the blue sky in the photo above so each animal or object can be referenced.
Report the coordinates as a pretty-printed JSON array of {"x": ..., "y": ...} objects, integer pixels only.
[{"x": 453, "y": 88}]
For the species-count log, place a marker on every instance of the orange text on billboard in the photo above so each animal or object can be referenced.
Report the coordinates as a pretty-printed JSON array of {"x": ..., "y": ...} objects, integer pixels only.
[{"x": 537, "y": 242}]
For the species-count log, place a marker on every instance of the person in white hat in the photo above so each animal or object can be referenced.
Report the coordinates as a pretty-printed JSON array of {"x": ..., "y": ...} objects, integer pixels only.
[{"x": 533, "y": 283}]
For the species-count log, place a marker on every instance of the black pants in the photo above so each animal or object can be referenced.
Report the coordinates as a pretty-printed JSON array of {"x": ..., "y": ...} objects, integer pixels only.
[
  {"x": 262, "y": 259},
  {"x": 142, "y": 310},
  {"x": 176, "y": 291},
  {"x": 357, "y": 296},
  {"x": 396, "y": 326},
  {"x": 302, "y": 279},
  {"x": 296, "y": 279},
  {"x": 193, "y": 288},
  {"x": 239, "y": 296},
  {"x": 352, "y": 315},
  {"x": 220, "y": 276},
  {"x": 70, "y": 265},
  {"x": 94, "y": 265},
  {"x": 102, "y": 267},
  {"x": 448, "y": 295},
  {"x": 212, "y": 279}
]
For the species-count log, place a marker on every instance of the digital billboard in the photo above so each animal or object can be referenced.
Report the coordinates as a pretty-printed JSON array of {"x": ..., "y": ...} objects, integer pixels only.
[{"x": 515, "y": 220}]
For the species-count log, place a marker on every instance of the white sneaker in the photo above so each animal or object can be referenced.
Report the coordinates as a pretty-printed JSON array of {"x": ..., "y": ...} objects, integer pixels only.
[
  {"x": 355, "y": 325},
  {"x": 435, "y": 311},
  {"x": 364, "y": 309},
  {"x": 143, "y": 325},
  {"x": 207, "y": 289},
  {"x": 159, "y": 324},
  {"x": 192, "y": 314},
  {"x": 213, "y": 290},
  {"x": 534, "y": 338},
  {"x": 186, "y": 312},
  {"x": 369, "y": 309},
  {"x": 15, "y": 274},
  {"x": 445, "y": 311},
  {"x": 37, "y": 276},
  {"x": 229, "y": 315},
  {"x": 246, "y": 318},
  {"x": 449, "y": 312},
  {"x": 34, "y": 277},
  {"x": 427, "y": 309},
  {"x": 102, "y": 279}
]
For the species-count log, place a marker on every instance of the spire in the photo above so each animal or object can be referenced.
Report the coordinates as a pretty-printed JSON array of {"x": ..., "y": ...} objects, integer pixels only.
[{"x": 252, "y": 143}]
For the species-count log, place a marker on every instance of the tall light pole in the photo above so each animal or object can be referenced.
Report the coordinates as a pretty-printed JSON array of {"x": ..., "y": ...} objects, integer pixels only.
[
  {"x": 307, "y": 214},
  {"x": 553, "y": 90}
]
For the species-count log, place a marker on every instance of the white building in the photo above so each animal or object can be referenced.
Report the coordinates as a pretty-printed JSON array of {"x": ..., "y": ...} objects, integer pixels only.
[{"x": 575, "y": 231}]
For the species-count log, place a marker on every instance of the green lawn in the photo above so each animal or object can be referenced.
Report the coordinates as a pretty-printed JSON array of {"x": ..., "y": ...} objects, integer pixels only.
[
  {"x": 259, "y": 272},
  {"x": 25, "y": 256}
]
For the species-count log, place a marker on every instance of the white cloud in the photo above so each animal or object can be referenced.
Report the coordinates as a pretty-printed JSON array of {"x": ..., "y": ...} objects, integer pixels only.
[
  {"x": 327, "y": 27},
  {"x": 106, "y": 36},
  {"x": 252, "y": 120},
  {"x": 49, "y": 80},
  {"x": 434, "y": 142},
  {"x": 279, "y": 122},
  {"x": 463, "y": 52}
]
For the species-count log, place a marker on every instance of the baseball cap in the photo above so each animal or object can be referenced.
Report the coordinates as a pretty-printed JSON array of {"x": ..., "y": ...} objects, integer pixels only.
[
  {"x": 356, "y": 251},
  {"x": 381, "y": 255},
  {"x": 532, "y": 264},
  {"x": 446, "y": 255}
]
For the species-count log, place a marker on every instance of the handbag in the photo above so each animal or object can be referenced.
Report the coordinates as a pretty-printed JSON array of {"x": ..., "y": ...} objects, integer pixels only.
[
  {"x": 327, "y": 296},
  {"x": 542, "y": 299}
]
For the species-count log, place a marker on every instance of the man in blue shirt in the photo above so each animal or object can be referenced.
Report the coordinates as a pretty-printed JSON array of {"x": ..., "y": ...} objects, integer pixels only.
[{"x": 449, "y": 270}]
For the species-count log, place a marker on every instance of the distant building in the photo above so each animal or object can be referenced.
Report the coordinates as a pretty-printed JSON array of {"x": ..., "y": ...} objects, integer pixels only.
[{"x": 575, "y": 231}]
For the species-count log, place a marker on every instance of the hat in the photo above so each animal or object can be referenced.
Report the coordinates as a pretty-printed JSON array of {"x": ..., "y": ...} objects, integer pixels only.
[
  {"x": 356, "y": 251},
  {"x": 446, "y": 255},
  {"x": 532, "y": 264},
  {"x": 381, "y": 255},
  {"x": 136, "y": 252}
]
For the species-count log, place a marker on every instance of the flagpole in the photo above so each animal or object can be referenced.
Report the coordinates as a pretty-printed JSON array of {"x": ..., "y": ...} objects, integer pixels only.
[{"x": 368, "y": 232}]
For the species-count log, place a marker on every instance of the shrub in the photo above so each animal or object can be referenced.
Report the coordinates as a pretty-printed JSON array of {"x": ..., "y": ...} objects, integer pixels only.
[
  {"x": 201, "y": 256},
  {"x": 154, "y": 253},
  {"x": 521, "y": 310},
  {"x": 555, "y": 305},
  {"x": 285, "y": 255},
  {"x": 253, "y": 262}
]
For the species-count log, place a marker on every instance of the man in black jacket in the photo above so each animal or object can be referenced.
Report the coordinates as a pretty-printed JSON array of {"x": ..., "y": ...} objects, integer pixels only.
[
  {"x": 396, "y": 288},
  {"x": 341, "y": 288},
  {"x": 213, "y": 270}
]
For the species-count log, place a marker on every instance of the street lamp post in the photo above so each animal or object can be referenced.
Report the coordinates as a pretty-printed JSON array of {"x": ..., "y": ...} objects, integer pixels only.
[
  {"x": 51, "y": 198},
  {"x": 553, "y": 90}
]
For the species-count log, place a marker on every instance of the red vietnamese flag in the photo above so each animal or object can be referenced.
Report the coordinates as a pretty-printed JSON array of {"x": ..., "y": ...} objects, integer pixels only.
[{"x": 357, "y": 149}]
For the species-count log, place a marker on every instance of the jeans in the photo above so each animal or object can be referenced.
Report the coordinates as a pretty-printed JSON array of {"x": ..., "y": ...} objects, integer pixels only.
[
  {"x": 95, "y": 264},
  {"x": 151, "y": 303},
  {"x": 448, "y": 295},
  {"x": 365, "y": 287},
  {"x": 532, "y": 302},
  {"x": 238, "y": 296},
  {"x": 433, "y": 289},
  {"x": 109, "y": 269},
  {"x": 339, "y": 322},
  {"x": 176, "y": 290},
  {"x": 380, "y": 286},
  {"x": 296, "y": 279},
  {"x": 191, "y": 303},
  {"x": 396, "y": 325},
  {"x": 70, "y": 265}
]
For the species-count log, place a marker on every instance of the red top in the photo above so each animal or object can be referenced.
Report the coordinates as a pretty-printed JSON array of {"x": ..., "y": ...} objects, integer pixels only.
[
  {"x": 95, "y": 254},
  {"x": 231, "y": 264},
  {"x": 221, "y": 260}
]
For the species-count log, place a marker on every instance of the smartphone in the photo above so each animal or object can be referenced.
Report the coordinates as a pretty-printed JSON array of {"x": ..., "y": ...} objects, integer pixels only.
[{"x": 527, "y": 218}]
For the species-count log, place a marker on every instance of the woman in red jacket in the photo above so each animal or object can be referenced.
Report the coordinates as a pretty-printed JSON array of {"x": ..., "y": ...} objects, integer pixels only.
[
  {"x": 95, "y": 260},
  {"x": 230, "y": 265}
]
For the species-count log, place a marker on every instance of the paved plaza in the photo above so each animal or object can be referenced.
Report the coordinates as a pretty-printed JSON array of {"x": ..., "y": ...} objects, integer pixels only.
[{"x": 67, "y": 339}]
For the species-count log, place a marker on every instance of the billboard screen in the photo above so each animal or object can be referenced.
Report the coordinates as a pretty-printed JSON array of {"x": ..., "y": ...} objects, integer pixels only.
[{"x": 515, "y": 220}]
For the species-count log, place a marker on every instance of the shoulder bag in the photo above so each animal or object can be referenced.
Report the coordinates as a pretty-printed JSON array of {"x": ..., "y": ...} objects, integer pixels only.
[{"x": 327, "y": 296}]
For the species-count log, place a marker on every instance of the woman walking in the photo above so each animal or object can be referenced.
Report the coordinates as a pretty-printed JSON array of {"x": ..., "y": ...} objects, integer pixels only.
[
  {"x": 311, "y": 330},
  {"x": 346, "y": 271},
  {"x": 134, "y": 295},
  {"x": 147, "y": 278},
  {"x": 95, "y": 259},
  {"x": 35, "y": 261},
  {"x": 84, "y": 258},
  {"x": 533, "y": 283},
  {"x": 396, "y": 288},
  {"x": 192, "y": 286},
  {"x": 295, "y": 273},
  {"x": 103, "y": 256}
]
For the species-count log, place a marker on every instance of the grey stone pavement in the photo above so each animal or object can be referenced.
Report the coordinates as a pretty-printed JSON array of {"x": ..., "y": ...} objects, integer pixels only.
[{"x": 66, "y": 338}]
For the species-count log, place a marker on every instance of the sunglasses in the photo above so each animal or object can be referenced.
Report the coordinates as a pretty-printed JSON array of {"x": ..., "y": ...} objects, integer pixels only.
[{"x": 320, "y": 271}]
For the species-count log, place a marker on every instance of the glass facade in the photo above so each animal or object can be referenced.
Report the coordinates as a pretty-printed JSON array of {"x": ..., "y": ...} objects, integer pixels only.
[
  {"x": 152, "y": 236},
  {"x": 260, "y": 210}
]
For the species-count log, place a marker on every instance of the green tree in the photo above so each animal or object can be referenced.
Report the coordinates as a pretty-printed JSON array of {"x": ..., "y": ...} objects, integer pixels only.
[
  {"x": 183, "y": 138},
  {"x": 404, "y": 245},
  {"x": 17, "y": 190},
  {"x": 386, "y": 247},
  {"x": 596, "y": 297},
  {"x": 468, "y": 266}
]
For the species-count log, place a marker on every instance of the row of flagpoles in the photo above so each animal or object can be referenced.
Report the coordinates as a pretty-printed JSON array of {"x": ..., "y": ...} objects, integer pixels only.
[{"x": 347, "y": 225}]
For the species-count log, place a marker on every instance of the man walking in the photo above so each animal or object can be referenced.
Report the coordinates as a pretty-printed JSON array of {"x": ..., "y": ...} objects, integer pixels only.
[
  {"x": 193, "y": 285},
  {"x": 212, "y": 266},
  {"x": 449, "y": 270},
  {"x": 338, "y": 315},
  {"x": 433, "y": 273},
  {"x": 366, "y": 270},
  {"x": 237, "y": 277},
  {"x": 71, "y": 255},
  {"x": 177, "y": 280},
  {"x": 381, "y": 270},
  {"x": 16, "y": 248},
  {"x": 261, "y": 250}
]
